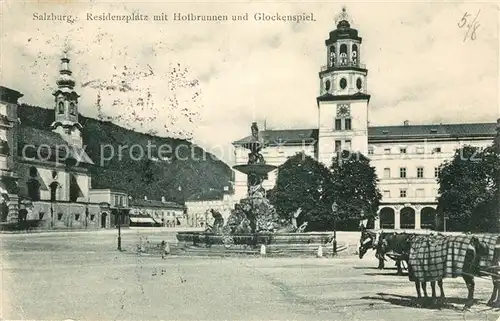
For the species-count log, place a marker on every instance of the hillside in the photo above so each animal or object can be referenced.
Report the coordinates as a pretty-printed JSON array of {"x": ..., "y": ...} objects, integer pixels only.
[{"x": 153, "y": 178}]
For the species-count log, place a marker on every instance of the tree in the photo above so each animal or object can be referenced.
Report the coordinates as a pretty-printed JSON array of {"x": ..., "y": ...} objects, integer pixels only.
[
  {"x": 301, "y": 183},
  {"x": 467, "y": 189},
  {"x": 354, "y": 189}
]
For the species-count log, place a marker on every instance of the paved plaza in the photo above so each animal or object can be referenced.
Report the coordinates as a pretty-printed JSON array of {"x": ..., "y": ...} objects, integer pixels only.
[{"x": 81, "y": 276}]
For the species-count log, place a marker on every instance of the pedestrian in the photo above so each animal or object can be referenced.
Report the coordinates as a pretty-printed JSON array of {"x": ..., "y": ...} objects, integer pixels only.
[{"x": 166, "y": 249}]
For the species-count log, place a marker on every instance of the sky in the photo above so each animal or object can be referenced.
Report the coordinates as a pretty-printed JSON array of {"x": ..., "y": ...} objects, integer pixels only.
[{"x": 208, "y": 81}]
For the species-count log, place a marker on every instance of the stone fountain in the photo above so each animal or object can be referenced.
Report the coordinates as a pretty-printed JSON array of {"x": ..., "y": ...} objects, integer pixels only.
[{"x": 254, "y": 220}]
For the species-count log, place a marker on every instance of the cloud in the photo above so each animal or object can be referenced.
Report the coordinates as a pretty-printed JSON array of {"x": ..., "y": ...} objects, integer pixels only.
[{"x": 420, "y": 67}]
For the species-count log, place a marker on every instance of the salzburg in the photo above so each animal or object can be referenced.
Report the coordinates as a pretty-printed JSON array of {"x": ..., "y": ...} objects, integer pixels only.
[{"x": 343, "y": 166}]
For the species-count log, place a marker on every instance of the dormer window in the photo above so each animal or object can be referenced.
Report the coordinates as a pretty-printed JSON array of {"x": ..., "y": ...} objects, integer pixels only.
[
  {"x": 385, "y": 132},
  {"x": 434, "y": 131}
]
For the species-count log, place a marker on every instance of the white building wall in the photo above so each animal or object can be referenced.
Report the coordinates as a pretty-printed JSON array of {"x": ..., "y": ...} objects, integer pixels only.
[
  {"x": 273, "y": 155},
  {"x": 327, "y": 136},
  {"x": 418, "y": 155}
]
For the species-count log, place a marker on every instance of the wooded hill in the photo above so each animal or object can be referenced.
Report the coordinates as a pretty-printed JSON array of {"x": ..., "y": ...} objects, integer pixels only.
[{"x": 176, "y": 178}]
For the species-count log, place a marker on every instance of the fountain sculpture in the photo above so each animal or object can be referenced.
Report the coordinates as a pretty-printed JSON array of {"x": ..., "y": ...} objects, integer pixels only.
[{"x": 254, "y": 219}]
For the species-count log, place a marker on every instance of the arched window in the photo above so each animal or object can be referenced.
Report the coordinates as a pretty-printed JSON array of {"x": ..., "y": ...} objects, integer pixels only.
[
  {"x": 72, "y": 108},
  {"x": 343, "y": 54},
  {"x": 33, "y": 189},
  {"x": 33, "y": 171},
  {"x": 331, "y": 56},
  {"x": 60, "y": 107},
  {"x": 53, "y": 191},
  {"x": 354, "y": 55}
]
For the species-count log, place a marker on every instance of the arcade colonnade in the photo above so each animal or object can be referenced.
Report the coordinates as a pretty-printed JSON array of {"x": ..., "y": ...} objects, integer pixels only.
[{"x": 406, "y": 217}]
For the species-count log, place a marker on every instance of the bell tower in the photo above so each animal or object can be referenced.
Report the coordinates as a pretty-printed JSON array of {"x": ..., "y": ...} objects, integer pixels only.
[
  {"x": 66, "y": 106},
  {"x": 343, "y": 97}
]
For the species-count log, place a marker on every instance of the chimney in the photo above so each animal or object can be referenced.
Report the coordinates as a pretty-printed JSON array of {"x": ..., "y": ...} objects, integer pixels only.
[
  {"x": 226, "y": 188},
  {"x": 145, "y": 198},
  {"x": 163, "y": 199},
  {"x": 406, "y": 123}
]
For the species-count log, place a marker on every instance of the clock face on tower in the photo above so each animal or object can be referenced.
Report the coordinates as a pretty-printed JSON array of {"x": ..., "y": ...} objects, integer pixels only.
[{"x": 343, "y": 110}]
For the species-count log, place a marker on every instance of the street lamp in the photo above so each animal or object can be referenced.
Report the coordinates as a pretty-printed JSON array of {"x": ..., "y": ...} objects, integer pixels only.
[
  {"x": 334, "y": 243},
  {"x": 118, "y": 207}
]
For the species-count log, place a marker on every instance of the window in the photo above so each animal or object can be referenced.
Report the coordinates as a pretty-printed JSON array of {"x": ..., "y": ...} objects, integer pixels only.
[
  {"x": 33, "y": 171},
  {"x": 370, "y": 150},
  {"x": 436, "y": 172},
  {"x": 402, "y": 172},
  {"x": 420, "y": 192},
  {"x": 387, "y": 194},
  {"x": 359, "y": 83},
  {"x": 348, "y": 145},
  {"x": 402, "y": 193},
  {"x": 420, "y": 172},
  {"x": 72, "y": 108},
  {"x": 40, "y": 215},
  {"x": 338, "y": 124},
  {"x": 343, "y": 83},
  {"x": 387, "y": 173},
  {"x": 420, "y": 150},
  {"x": 59, "y": 216},
  {"x": 338, "y": 145},
  {"x": 77, "y": 217},
  {"x": 436, "y": 150},
  {"x": 402, "y": 150},
  {"x": 61, "y": 107},
  {"x": 92, "y": 217},
  {"x": 347, "y": 124},
  {"x": 387, "y": 151},
  {"x": 327, "y": 85}
]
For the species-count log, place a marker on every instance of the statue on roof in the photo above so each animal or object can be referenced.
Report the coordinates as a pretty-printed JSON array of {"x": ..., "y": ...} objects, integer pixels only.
[{"x": 343, "y": 16}]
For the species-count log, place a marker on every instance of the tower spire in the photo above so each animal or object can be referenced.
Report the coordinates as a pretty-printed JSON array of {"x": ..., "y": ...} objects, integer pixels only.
[
  {"x": 65, "y": 79},
  {"x": 343, "y": 18},
  {"x": 66, "y": 105}
]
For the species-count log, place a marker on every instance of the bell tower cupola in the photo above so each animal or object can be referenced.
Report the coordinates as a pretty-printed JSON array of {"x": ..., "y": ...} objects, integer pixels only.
[
  {"x": 66, "y": 105},
  {"x": 343, "y": 97}
]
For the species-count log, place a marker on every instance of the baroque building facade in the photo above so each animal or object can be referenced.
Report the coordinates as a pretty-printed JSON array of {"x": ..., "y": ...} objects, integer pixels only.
[
  {"x": 406, "y": 157},
  {"x": 45, "y": 172}
]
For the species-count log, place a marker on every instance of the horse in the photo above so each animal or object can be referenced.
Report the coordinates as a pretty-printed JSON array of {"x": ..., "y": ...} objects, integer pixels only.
[
  {"x": 490, "y": 263},
  {"x": 400, "y": 245},
  {"x": 370, "y": 240},
  {"x": 468, "y": 246}
]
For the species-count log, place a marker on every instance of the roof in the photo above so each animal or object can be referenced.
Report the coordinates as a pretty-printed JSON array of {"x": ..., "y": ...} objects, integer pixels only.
[
  {"x": 37, "y": 137},
  {"x": 443, "y": 131},
  {"x": 381, "y": 133},
  {"x": 153, "y": 203},
  {"x": 210, "y": 195},
  {"x": 9, "y": 95},
  {"x": 284, "y": 137}
]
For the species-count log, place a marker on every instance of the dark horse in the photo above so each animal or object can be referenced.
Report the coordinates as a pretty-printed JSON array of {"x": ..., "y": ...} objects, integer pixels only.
[
  {"x": 491, "y": 265},
  {"x": 400, "y": 244},
  {"x": 370, "y": 240}
]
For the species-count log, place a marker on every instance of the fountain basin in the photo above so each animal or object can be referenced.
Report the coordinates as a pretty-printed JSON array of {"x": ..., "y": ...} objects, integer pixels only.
[
  {"x": 202, "y": 238},
  {"x": 259, "y": 169}
]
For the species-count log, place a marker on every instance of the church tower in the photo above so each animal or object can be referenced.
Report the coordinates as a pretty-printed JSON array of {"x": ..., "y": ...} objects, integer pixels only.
[
  {"x": 66, "y": 106},
  {"x": 343, "y": 98}
]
